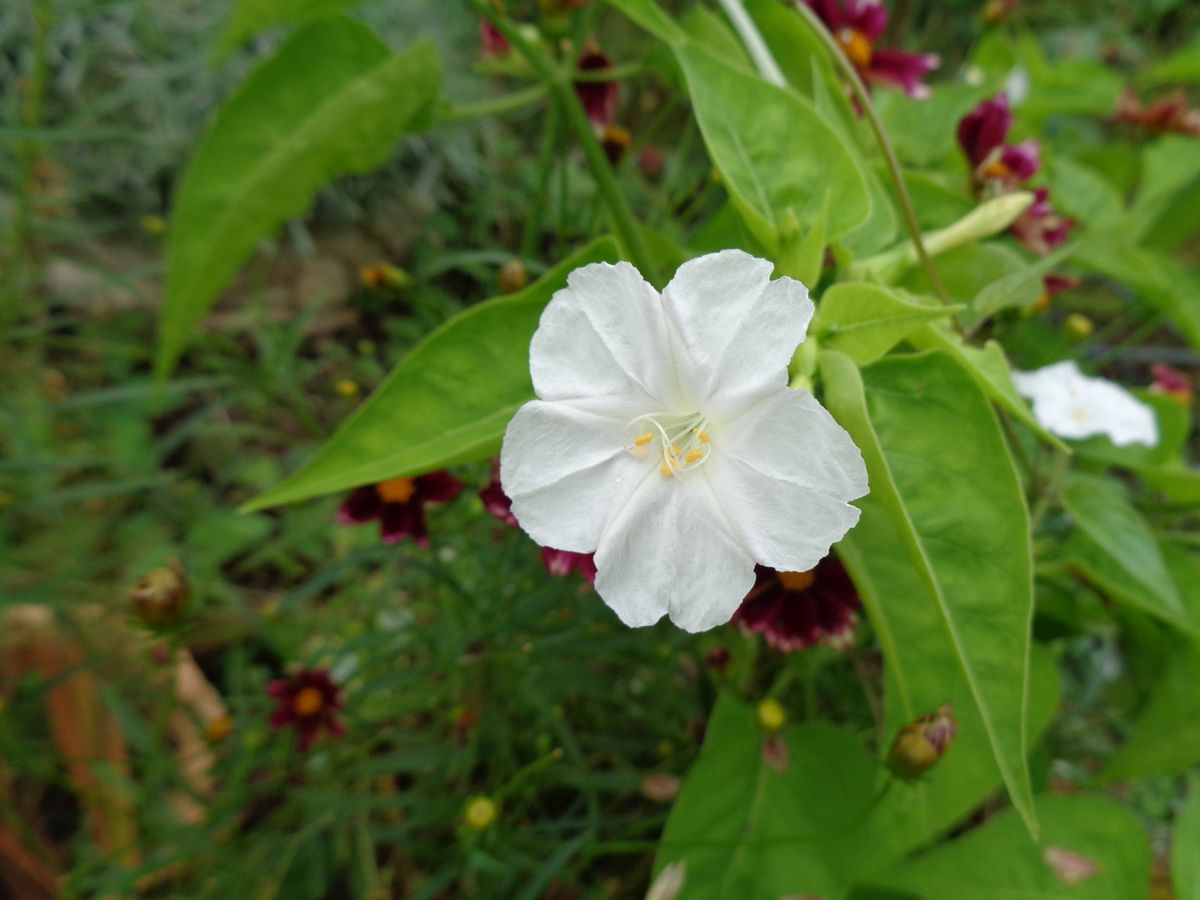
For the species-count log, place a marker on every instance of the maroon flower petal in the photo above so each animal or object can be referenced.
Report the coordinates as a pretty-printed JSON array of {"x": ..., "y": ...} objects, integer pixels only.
[
  {"x": 494, "y": 43},
  {"x": 868, "y": 16},
  {"x": 363, "y": 505},
  {"x": 829, "y": 12},
  {"x": 825, "y": 612},
  {"x": 898, "y": 69},
  {"x": 437, "y": 487},
  {"x": 404, "y": 520},
  {"x": 984, "y": 128},
  {"x": 497, "y": 503},
  {"x": 564, "y": 562},
  {"x": 599, "y": 98},
  {"x": 1022, "y": 160}
]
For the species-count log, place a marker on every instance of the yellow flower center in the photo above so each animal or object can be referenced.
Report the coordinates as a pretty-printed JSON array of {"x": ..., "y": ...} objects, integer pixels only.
[
  {"x": 997, "y": 169},
  {"x": 684, "y": 440},
  {"x": 856, "y": 46},
  {"x": 796, "y": 581},
  {"x": 396, "y": 490},
  {"x": 308, "y": 702}
]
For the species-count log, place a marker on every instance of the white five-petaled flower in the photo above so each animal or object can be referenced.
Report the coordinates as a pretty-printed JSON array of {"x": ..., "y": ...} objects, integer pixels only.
[
  {"x": 665, "y": 438},
  {"x": 1071, "y": 405}
]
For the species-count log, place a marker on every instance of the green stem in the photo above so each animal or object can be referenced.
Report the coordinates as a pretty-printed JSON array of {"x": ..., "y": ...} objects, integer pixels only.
[
  {"x": 496, "y": 106},
  {"x": 560, "y": 84},
  {"x": 533, "y": 218},
  {"x": 885, "y": 145}
]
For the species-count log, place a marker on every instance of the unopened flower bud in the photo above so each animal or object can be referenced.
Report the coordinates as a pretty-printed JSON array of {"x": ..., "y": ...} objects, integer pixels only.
[
  {"x": 160, "y": 596},
  {"x": 651, "y": 161},
  {"x": 616, "y": 141},
  {"x": 384, "y": 275},
  {"x": 718, "y": 658},
  {"x": 347, "y": 388},
  {"x": 920, "y": 744},
  {"x": 511, "y": 277},
  {"x": 155, "y": 225},
  {"x": 669, "y": 883},
  {"x": 771, "y": 715},
  {"x": 480, "y": 813},
  {"x": 1078, "y": 325},
  {"x": 218, "y": 729}
]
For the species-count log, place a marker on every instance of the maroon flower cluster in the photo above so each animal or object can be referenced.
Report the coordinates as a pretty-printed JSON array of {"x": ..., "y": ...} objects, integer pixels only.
[
  {"x": 557, "y": 562},
  {"x": 399, "y": 505},
  {"x": 1166, "y": 114},
  {"x": 794, "y": 610},
  {"x": 309, "y": 702},
  {"x": 998, "y": 167},
  {"x": 857, "y": 25}
]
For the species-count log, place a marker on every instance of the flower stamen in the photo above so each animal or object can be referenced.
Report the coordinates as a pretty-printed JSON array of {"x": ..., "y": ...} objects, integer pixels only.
[{"x": 685, "y": 440}]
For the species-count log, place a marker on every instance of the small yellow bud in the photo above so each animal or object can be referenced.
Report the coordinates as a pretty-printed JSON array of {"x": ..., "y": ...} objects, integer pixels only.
[
  {"x": 154, "y": 224},
  {"x": 365, "y": 347},
  {"x": 511, "y": 277},
  {"x": 921, "y": 743},
  {"x": 1078, "y": 325},
  {"x": 218, "y": 729},
  {"x": 384, "y": 275},
  {"x": 771, "y": 715},
  {"x": 347, "y": 388},
  {"x": 161, "y": 596},
  {"x": 480, "y": 813}
]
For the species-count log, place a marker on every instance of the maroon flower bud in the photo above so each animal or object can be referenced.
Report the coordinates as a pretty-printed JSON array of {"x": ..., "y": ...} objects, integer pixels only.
[
  {"x": 494, "y": 44},
  {"x": 599, "y": 98},
  {"x": 651, "y": 161},
  {"x": 920, "y": 744},
  {"x": 718, "y": 658}
]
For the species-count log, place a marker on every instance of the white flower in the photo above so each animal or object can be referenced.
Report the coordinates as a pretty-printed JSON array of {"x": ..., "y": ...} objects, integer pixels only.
[
  {"x": 1071, "y": 405},
  {"x": 666, "y": 440}
]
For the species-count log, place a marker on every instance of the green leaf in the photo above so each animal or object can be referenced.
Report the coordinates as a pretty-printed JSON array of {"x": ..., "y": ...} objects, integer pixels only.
[
  {"x": 333, "y": 100},
  {"x": 1084, "y": 194},
  {"x": 968, "y": 270},
  {"x": 988, "y": 367},
  {"x": 1092, "y": 848},
  {"x": 1181, "y": 66},
  {"x": 923, "y": 672},
  {"x": 772, "y": 148},
  {"x": 649, "y": 15},
  {"x": 759, "y": 821},
  {"x": 1101, "y": 510},
  {"x": 1185, "y": 853},
  {"x": 1165, "y": 740},
  {"x": 1168, "y": 166},
  {"x": 865, "y": 321},
  {"x": 448, "y": 401},
  {"x": 926, "y": 432},
  {"x": 252, "y": 16},
  {"x": 1018, "y": 290}
]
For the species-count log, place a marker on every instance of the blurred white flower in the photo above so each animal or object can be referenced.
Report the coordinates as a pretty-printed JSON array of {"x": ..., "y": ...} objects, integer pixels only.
[
  {"x": 1071, "y": 405},
  {"x": 666, "y": 440}
]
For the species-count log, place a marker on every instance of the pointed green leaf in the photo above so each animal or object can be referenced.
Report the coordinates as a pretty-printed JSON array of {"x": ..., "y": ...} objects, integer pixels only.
[
  {"x": 333, "y": 100},
  {"x": 926, "y": 432},
  {"x": 865, "y": 321},
  {"x": 448, "y": 401},
  {"x": 1020, "y": 290}
]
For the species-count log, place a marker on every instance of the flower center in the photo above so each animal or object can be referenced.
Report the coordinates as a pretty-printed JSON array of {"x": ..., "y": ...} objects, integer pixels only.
[
  {"x": 796, "y": 581},
  {"x": 683, "y": 440},
  {"x": 396, "y": 490},
  {"x": 308, "y": 702},
  {"x": 856, "y": 46}
]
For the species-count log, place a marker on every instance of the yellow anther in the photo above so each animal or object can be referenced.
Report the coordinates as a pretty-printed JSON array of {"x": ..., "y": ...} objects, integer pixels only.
[
  {"x": 693, "y": 455},
  {"x": 667, "y": 470},
  {"x": 675, "y": 450},
  {"x": 703, "y": 435},
  {"x": 643, "y": 439}
]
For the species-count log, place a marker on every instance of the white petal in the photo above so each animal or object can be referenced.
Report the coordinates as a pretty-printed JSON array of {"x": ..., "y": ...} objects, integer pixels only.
[
  {"x": 735, "y": 330},
  {"x": 784, "y": 526},
  {"x": 791, "y": 437},
  {"x": 1121, "y": 416},
  {"x": 1072, "y": 405},
  {"x": 564, "y": 465},
  {"x": 602, "y": 335},
  {"x": 668, "y": 550}
]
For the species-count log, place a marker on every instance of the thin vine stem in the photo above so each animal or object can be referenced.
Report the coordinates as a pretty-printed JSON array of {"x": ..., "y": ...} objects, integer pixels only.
[
  {"x": 885, "y": 145},
  {"x": 560, "y": 85}
]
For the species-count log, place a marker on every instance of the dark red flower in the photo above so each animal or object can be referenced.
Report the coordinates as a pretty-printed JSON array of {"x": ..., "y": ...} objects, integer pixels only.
[
  {"x": 1169, "y": 113},
  {"x": 1040, "y": 228},
  {"x": 557, "y": 562},
  {"x": 599, "y": 98},
  {"x": 981, "y": 135},
  {"x": 399, "y": 505},
  {"x": 564, "y": 562},
  {"x": 1168, "y": 380},
  {"x": 857, "y": 25},
  {"x": 494, "y": 43},
  {"x": 794, "y": 610},
  {"x": 309, "y": 701},
  {"x": 1052, "y": 286}
]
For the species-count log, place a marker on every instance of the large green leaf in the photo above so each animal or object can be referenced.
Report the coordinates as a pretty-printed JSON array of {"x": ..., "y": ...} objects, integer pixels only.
[
  {"x": 1101, "y": 510},
  {"x": 768, "y": 821},
  {"x": 865, "y": 321},
  {"x": 923, "y": 672},
  {"x": 926, "y": 432},
  {"x": 1185, "y": 854},
  {"x": 448, "y": 401},
  {"x": 1092, "y": 848},
  {"x": 333, "y": 100},
  {"x": 1018, "y": 290},
  {"x": 772, "y": 147}
]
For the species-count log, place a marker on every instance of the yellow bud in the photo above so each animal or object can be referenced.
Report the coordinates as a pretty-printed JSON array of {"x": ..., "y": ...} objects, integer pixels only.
[
  {"x": 154, "y": 224},
  {"x": 219, "y": 729},
  {"x": 771, "y": 715},
  {"x": 480, "y": 813},
  {"x": 347, "y": 388},
  {"x": 1078, "y": 325}
]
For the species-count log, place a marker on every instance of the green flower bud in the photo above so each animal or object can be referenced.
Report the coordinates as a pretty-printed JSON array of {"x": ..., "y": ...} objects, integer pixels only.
[{"x": 920, "y": 744}]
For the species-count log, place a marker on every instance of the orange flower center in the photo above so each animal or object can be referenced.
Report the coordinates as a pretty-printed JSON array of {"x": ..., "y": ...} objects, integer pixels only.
[
  {"x": 856, "y": 46},
  {"x": 997, "y": 169},
  {"x": 796, "y": 581},
  {"x": 396, "y": 490},
  {"x": 308, "y": 702}
]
